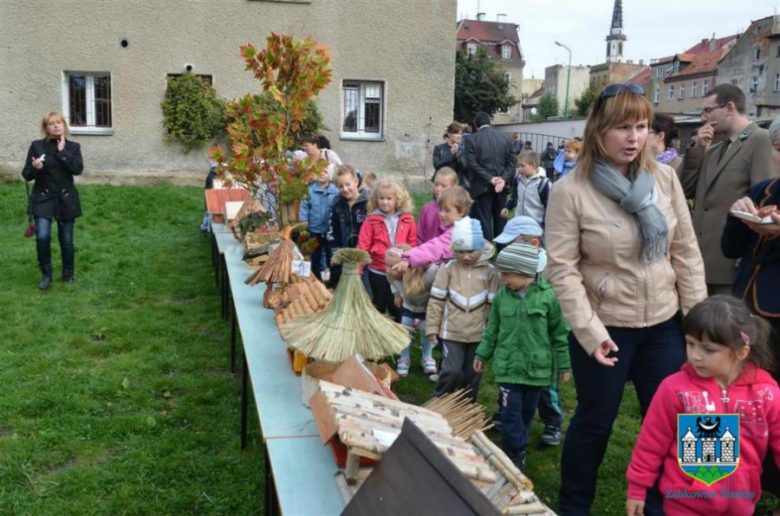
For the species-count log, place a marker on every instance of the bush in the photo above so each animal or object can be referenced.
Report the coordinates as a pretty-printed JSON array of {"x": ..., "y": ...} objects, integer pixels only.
[{"x": 193, "y": 115}]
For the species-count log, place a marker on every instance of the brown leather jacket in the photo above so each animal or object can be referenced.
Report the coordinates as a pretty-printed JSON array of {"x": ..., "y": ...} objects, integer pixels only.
[{"x": 595, "y": 264}]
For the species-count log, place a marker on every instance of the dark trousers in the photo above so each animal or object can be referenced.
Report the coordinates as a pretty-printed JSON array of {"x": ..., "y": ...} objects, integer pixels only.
[
  {"x": 457, "y": 369},
  {"x": 487, "y": 209},
  {"x": 518, "y": 406},
  {"x": 646, "y": 356},
  {"x": 43, "y": 241},
  {"x": 323, "y": 247},
  {"x": 381, "y": 295},
  {"x": 550, "y": 411},
  {"x": 550, "y": 171}
]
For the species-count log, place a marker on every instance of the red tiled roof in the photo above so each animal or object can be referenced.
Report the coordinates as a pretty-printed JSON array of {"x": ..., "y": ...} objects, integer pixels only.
[
  {"x": 704, "y": 45},
  {"x": 703, "y": 62},
  {"x": 485, "y": 31},
  {"x": 641, "y": 78},
  {"x": 685, "y": 58}
]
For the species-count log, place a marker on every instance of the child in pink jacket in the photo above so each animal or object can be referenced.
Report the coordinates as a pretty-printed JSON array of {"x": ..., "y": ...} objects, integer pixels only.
[
  {"x": 454, "y": 204},
  {"x": 428, "y": 223},
  {"x": 727, "y": 354}
]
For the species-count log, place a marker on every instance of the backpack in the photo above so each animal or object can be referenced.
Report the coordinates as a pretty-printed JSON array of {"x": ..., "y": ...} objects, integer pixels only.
[{"x": 544, "y": 192}]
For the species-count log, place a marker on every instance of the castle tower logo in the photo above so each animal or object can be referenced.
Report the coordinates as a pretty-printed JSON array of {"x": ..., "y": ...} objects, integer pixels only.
[{"x": 708, "y": 445}]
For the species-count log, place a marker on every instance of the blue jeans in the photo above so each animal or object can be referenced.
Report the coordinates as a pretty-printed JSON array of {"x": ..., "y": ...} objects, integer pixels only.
[
  {"x": 646, "y": 356},
  {"x": 518, "y": 406},
  {"x": 43, "y": 241},
  {"x": 320, "y": 257},
  {"x": 427, "y": 345}
]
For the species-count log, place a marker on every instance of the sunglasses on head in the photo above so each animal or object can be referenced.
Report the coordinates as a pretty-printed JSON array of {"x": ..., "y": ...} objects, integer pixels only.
[{"x": 613, "y": 90}]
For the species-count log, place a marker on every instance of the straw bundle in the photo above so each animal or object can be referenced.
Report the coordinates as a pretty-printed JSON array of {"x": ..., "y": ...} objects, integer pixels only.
[
  {"x": 278, "y": 268},
  {"x": 465, "y": 416},
  {"x": 350, "y": 324}
]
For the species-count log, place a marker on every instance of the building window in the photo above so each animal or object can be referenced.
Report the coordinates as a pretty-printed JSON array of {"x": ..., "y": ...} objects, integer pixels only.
[
  {"x": 669, "y": 69},
  {"x": 659, "y": 71},
  {"x": 676, "y": 66},
  {"x": 705, "y": 85},
  {"x": 757, "y": 53},
  {"x": 693, "y": 90},
  {"x": 657, "y": 94},
  {"x": 671, "y": 92},
  {"x": 777, "y": 83},
  {"x": 778, "y": 51},
  {"x": 735, "y": 82},
  {"x": 87, "y": 102},
  {"x": 682, "y": 91},
  {"x": 506, "y": 52},
  {"x": 757, "y": 30},
  {"x": 754, "y": 85},
  {"x": 363, "y": 115},
  {"x": 472, "y": 49}
]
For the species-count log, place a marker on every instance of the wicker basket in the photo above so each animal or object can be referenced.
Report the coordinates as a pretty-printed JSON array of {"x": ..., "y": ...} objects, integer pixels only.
[{"x": 316, "y": 371}]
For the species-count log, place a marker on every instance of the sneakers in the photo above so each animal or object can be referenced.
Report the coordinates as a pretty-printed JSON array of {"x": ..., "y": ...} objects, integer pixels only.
[
  {"x": 429, "y": 365},
  {"x": 403, "y": 367},
  {"x": 552, "y": 436},
  {"x": 520, "y": 462},
  {"x": 495, "y": 420}
]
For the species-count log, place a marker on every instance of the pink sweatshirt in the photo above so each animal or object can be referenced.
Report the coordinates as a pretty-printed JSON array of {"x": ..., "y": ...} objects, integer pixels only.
[
  {"x": 754, "y": 396},
  {"x": 428, "y": 223},
  {"x": 437, "y": 250}
]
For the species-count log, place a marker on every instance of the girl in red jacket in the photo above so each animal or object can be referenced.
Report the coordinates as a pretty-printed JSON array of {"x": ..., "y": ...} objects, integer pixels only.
[
  {"x": 725, "y": 374},
  {"x": 389, "y": 223}
]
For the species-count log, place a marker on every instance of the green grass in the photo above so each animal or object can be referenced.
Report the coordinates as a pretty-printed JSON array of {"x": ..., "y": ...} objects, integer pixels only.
[{"x": 116, "y": 393}]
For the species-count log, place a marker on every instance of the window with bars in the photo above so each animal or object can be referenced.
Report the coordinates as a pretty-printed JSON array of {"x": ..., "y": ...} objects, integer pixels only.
[
  {"x": 87, "y": 99},
  {"x": 363, "y": 110}
]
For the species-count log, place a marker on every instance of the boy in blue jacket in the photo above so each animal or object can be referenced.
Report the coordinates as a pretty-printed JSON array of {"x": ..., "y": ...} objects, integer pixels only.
[{"x": 316, "y": 212}]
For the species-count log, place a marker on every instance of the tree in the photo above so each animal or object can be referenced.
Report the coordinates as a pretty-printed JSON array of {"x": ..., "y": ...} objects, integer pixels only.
[
  {"x": 588, "y": 96},
  {"x": 264, "y": 127},
  {"x": 548, "y": 106},
  {"x": 192, "y": 113},
  {"x": 480, "y": 85}
]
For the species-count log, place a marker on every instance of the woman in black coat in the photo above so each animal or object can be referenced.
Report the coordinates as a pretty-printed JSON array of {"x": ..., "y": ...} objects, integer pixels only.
[
  {"x": 51, "y": 163},
  {"x": 450, "y": 154}
]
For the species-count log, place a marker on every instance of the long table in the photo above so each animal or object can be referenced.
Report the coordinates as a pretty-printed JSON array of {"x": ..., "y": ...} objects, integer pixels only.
[{"x": 299, "y": 469}]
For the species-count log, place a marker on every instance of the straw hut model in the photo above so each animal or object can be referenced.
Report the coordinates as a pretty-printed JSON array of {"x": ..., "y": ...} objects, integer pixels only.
[
  {"x": 350, "y": 324},
  {"x": 278, "y": 268},
  {"x": 249, "y": 207}
]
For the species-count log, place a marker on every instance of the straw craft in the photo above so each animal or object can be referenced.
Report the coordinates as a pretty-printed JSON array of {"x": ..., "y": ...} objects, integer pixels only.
[
  {"x": 465, "y": 416},
  {"x": 350, "y": 324},
  {"x": 249, "y": 207},
  {"x": 278, "y": 268},
  {"x": 310, "y": 297}
]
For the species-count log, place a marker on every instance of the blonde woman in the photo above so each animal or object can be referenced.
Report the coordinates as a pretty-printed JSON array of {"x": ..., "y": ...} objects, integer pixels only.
[
  {"x": 390, "y": 223},
  {"x": 52, "y": 162},
  {"x": 623, "y": 262}
]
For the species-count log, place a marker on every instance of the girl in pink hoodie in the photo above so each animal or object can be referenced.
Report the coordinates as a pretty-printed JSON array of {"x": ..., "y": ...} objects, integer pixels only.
[
  {"x": 725, "y": 374},
  {"x": 429, "y": 225}
]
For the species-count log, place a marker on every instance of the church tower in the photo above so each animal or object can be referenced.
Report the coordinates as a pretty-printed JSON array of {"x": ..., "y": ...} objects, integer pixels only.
[{"x": 616, "y": 37}]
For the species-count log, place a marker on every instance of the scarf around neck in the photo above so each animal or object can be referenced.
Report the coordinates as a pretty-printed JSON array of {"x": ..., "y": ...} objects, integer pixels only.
[
  {"x": 667, "y": 156},
  {"x": 637, "y": 196}
]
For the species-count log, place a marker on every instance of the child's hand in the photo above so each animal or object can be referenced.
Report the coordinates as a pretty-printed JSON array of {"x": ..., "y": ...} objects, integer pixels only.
[
  {"x": 398, "y": 301},
  {"x": 434, "y": 339},
  {"x": 477, "y": 365},
  {"x": 564, "y": 377},
  {"x": 504, "y": 213},
  {"x": 400, "y": 267},
  {"x": 416, "y": 324},
  {"x": 635, "y": 507}
]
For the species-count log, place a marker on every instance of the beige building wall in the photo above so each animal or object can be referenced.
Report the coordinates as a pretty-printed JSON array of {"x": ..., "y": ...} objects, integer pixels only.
[
  {"x": 369, "y": 40},
  {"x": 686, "y": 95},
  {"x": 555, "y": 78},
  {"x": 515, "y": 71}
]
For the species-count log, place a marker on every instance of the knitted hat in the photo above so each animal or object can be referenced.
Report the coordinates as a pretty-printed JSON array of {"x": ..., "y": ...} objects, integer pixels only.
[
  {"x": 467, "y": 235},
  {"x": 519, "y": 226},
  {"x": 522, "y": 259}
]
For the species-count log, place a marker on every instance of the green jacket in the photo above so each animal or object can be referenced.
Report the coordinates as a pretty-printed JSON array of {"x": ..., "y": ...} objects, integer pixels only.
[{"x": 526, "y": 337}]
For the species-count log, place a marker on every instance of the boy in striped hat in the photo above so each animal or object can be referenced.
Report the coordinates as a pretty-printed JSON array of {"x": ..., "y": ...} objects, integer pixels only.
[{"x": 527, "y": 337}]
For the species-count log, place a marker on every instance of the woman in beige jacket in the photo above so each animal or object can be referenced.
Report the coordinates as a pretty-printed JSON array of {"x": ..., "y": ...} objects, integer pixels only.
[{"x": 624, "y": 263}]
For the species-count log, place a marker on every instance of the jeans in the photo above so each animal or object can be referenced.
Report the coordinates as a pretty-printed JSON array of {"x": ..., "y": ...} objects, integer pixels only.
[
  {"x": 43, "y": 241},
  {"x": 427, "y": 345},
  {"x": 646, "y": 356},
  {"x": 518, "y": 405},
  {"x": 320, "y": 257},
  {"x": 457, "y": 369}
]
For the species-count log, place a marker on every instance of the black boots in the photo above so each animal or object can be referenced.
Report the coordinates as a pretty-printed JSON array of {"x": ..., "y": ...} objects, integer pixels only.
[
  {"x": 67, "y": 275},
  {"x": 47, "y": 277}
]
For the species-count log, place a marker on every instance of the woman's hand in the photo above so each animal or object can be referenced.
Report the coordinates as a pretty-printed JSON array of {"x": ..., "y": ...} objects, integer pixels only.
[
  {"x": 454, "y": 148},
  {"x": 400, "y": 267},
  {"x": 398, "y": 301},
  {"x": 745, "y": 204},
  {"x": 61, "y": 143},
  {"x": 37, "y": 163},
  {"x": 604, "y": 349},
  {"x": 504, "y": 213},
  {"x": 766, "y": 230},
  {"x": 635, "y": 507}
]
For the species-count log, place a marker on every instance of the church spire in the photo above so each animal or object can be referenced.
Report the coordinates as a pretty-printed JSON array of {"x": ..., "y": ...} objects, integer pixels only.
[{"x": 617, "y": 15}]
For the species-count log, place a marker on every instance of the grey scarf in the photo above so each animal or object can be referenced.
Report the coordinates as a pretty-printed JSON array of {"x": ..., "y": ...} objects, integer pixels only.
[{"x": 637, "y": 197}]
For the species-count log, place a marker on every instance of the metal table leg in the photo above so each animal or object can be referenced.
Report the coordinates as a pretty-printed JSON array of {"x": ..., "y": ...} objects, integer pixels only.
[
  {"x": 225, "y": 282},
  {"x": 244, "y": 403},
  {"x": 233, "y": 339},
  {"x": 271, "y": 503}
]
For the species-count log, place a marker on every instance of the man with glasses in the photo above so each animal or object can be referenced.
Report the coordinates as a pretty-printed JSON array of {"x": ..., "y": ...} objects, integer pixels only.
[{"x": 715, "y": 175}]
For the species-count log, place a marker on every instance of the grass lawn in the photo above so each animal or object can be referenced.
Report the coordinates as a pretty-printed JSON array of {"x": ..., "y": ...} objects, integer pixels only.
[{"x": 116, "y": 396}]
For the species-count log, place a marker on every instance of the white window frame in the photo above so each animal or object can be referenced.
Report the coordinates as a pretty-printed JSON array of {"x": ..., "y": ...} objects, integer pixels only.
[
  {"x": 676, "y": 66},
  {"x": 657, "y": 95},
  {"x": 471, "y": 49},
  {"x": 506, "y": 52},
  {"x": 659, "y": 71},
  {"x": 90, "y": 128},
  {"x": 671, "y": 92},
  {"x": 361, "y": 133},
  {"x": 777, "y": 82},
  {"x": 754, "y": 85},
  {"x": 705, "y": 86},
  {"x": 681, "y": 95},
  {"x": 693, "y": 90}
]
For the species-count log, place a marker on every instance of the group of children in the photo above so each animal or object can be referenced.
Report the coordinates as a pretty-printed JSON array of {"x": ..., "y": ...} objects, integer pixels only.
[{"x": 438, "y": 276}]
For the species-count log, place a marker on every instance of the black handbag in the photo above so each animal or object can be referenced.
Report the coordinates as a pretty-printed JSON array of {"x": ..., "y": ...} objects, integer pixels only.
[{"x": 30, "y": 231}]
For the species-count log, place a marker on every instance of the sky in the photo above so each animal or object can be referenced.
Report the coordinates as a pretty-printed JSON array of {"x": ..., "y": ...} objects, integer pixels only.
[{"x": 654, "y": 28}]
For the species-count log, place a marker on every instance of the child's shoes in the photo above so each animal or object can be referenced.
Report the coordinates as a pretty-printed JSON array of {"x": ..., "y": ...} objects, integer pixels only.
[
  {"x": 403, "y": 367},
  {"x": 429, "y": 365}
]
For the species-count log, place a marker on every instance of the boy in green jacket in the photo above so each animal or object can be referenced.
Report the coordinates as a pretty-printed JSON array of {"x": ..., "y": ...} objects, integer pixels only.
[{"x": 527, "y": 338}]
